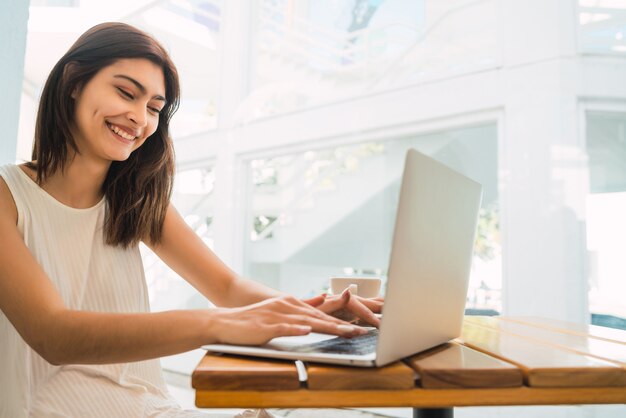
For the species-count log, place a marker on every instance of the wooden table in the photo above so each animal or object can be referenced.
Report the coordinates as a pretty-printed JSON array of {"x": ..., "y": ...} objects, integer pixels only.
[{"x": 496, "y": 361}]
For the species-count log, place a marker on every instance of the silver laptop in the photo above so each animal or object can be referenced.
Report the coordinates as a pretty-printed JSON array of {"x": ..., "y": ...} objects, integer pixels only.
[{"x": 427, "y": 278}]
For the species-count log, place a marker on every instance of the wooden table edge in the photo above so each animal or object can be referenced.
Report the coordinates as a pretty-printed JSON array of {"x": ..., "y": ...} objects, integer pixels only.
[{"x": 417, "y": 398}]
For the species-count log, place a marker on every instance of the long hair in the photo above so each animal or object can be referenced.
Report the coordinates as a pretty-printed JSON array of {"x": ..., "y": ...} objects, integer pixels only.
[{"x": 138, "y": 189}]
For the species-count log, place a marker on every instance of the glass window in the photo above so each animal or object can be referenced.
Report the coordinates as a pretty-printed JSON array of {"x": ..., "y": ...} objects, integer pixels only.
[
  {"x": 324, "y": 212},
  {"x": 606, "y": 223},
  {"x": 602, "y": 26}
]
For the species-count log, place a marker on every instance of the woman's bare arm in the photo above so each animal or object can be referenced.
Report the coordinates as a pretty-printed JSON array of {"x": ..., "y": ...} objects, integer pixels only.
[{"x": 63, "y": 336}]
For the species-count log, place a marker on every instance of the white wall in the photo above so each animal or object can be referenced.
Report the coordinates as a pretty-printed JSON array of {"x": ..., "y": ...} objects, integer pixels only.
[
  {"x": 544, "y": 254},
  {"x": 13, "y": 29}
]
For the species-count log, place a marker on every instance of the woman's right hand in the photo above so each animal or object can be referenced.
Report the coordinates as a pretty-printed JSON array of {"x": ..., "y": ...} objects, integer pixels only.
[{"x": 258, "y": 323}]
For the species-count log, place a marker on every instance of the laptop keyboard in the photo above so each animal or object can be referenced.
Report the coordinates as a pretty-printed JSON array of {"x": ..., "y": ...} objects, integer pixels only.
[{"x": 363, "y": 344}]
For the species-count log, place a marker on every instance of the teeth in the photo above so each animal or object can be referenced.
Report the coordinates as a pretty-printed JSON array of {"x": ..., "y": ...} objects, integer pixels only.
[{"x": 121, "y": 133}]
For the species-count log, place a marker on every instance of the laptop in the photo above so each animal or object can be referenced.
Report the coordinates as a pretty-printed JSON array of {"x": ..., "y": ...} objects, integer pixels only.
[{"x": 427, "y": 278}]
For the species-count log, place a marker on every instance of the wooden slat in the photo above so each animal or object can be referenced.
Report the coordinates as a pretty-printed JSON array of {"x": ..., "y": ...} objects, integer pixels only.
[
  {"x": 453, "y": 365},
  {"x": 222, "y": 372},
  {"x": 420, "y": 398},
  {"x": 581, "y": 344},
  {"x": 543, "y": 365},
  {"x": 594, "y": 331},
  {"x": 394, "y": 376}
]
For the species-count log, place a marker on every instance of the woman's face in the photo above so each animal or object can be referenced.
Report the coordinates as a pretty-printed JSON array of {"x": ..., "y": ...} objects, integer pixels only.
[{"x": 118, "y": 109}]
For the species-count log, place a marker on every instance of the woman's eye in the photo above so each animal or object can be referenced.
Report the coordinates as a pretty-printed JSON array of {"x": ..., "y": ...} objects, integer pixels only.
[
  {"x": 125, "y": 93},
  {"x": 154, "y": 110}
]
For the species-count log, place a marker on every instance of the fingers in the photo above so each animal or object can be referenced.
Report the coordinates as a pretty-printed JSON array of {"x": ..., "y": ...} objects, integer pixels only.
[
  {"x": 291, "y": 310},
  {"x": 354, "y": 306},
  {"x": 335, "y": 303},
  {"x": 289, "y": 330},
  {"x": 315, "y": 301},
  {"x": 306, "y": 309},
  {"x": 322, "y": 322},
  {"x": 373, "y": 305},
  {"x": 342, "y": 329},
  {"x": 363, "y": 312}
]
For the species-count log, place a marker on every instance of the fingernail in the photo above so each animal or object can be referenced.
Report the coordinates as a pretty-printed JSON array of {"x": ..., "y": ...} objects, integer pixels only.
[
  {"x": 305, "y": 328},
  {"x": 346, "y": 328},
  {"x": 324, "y": 295},
  {"x": 346, "y": 292}
]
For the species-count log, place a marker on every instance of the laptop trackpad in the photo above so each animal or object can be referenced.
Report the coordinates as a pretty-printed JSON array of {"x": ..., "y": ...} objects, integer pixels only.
[{"x": 282, "y": 343}]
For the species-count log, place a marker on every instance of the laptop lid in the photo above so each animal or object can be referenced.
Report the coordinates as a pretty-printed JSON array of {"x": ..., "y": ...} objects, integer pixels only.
[
  {"x": 430, "y": 259},
  {"x": 428, "y": 270}
]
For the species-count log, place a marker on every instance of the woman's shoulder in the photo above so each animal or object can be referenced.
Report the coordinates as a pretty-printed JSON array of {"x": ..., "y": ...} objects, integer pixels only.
[
  {"x": 9, "y": 170},
  {"x": 15, "y": 179},
  {"x": 19, "y": 174}
]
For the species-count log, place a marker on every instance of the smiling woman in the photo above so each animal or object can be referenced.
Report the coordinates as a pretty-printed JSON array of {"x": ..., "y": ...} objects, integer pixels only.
[
  {"x": 110, "y": 80},
  {"x": 77, "y": 337}
]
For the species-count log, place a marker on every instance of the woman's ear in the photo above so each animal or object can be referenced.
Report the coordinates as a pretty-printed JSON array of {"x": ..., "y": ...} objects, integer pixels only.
[{"x": 70, "y": 71}]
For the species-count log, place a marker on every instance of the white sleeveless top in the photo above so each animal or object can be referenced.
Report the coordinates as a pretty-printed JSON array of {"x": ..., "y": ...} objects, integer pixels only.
[{"x": 89, "y": 275}]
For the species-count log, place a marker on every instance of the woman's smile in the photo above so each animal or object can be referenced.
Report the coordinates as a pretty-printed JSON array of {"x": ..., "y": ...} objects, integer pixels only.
[{"x": 122, "y": 133}]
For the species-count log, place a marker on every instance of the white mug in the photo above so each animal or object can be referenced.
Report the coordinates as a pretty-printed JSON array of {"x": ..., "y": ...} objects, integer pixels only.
[{"x": 366, "y": 287}]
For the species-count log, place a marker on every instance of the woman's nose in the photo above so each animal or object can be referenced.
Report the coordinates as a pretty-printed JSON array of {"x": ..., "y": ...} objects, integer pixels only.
[{"x": 139, "y": 116}]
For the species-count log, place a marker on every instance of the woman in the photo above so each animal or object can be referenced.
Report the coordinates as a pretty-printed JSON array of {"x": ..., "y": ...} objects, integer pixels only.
[{"x": 77, "y": 338}]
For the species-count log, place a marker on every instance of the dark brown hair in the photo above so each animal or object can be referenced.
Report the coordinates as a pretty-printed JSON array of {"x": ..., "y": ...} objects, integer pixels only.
[{"x": 138, "y": 189}]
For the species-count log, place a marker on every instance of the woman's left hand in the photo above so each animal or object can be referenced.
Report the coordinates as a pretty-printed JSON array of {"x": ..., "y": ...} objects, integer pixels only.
[{"x": 349, "y": 307}]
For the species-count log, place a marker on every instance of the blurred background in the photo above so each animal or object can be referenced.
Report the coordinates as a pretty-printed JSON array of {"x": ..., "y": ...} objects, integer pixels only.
[{"x": 296, "y": 115}]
